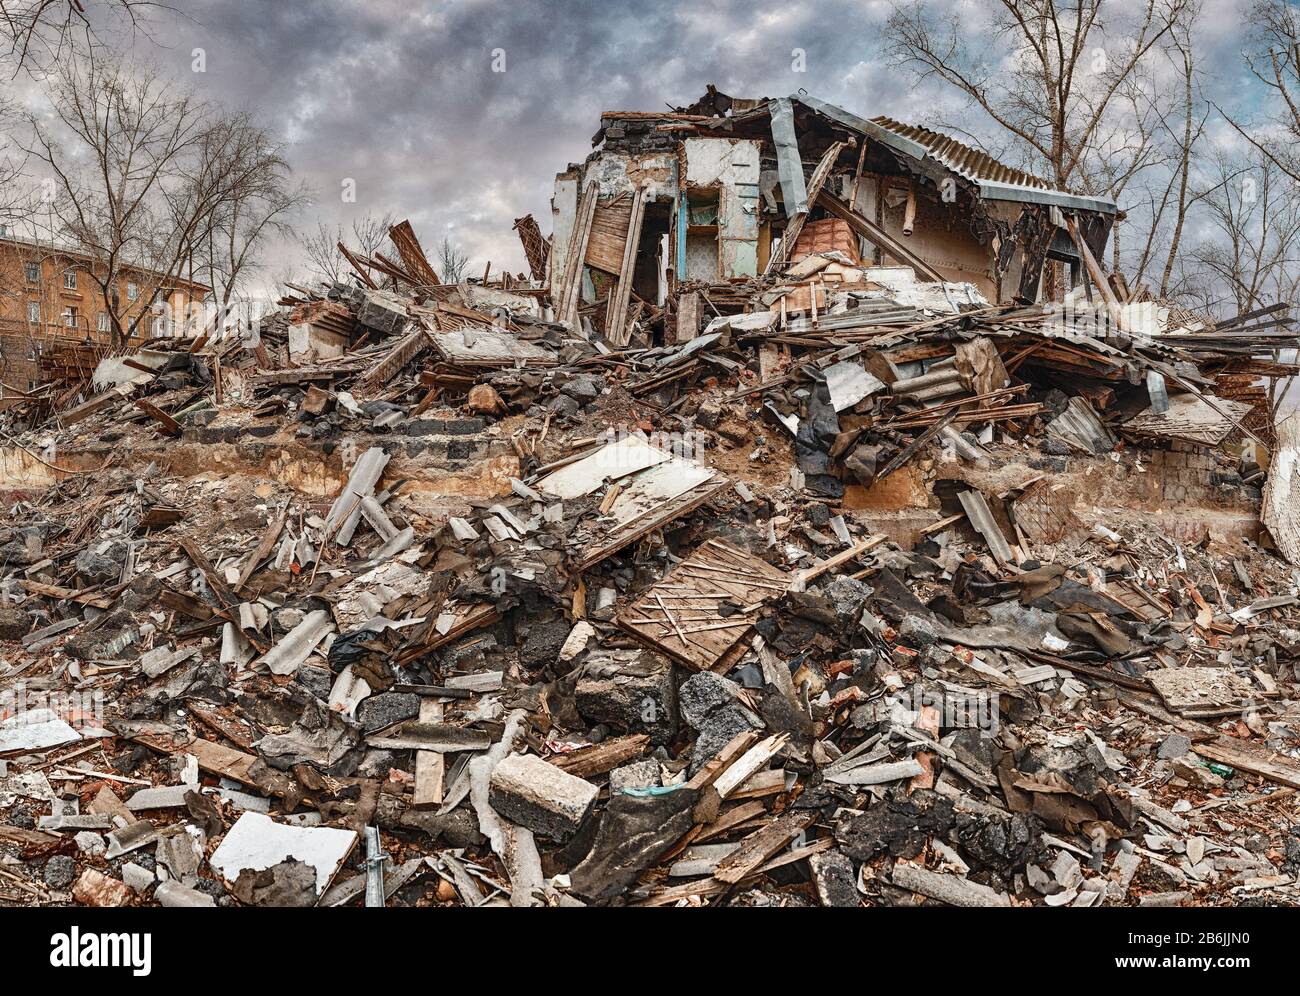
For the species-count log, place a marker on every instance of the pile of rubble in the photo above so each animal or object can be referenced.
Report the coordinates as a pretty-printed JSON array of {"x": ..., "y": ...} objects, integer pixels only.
[{"x": 862, "y": 590}]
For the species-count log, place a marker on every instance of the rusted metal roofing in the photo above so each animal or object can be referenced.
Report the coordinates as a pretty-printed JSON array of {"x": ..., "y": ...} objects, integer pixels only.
[{"x": 996, "y": 180}]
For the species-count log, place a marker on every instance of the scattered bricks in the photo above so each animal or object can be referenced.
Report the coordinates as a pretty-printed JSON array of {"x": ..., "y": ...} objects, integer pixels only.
[
  {"x": 460, "y": 449},
  {"x": 227, "y": 434},
  {"x": 484, "y": 399},
  {"x": 1057, "y": 465},
  {"x": 541, "y": 797},
  {"x": 94, "y": 888},
  {"x": 709, "y": 413}
]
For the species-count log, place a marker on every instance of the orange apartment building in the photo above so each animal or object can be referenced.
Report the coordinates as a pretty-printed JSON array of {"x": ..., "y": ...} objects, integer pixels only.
[{"x": 47, "y": 297}]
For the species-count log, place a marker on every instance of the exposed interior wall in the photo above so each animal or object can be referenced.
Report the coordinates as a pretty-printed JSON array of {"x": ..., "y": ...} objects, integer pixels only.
[
  {"x": 729, "y": 166},
  {"x": 942, "y": 234}
]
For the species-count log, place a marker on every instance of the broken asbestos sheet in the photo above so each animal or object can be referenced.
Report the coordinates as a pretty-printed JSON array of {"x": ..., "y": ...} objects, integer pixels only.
[
  {"x": 37, "y": 730},
  {"x": 1200, "y": 689},
  {"x": 648, "y": 487},
  {"x": 613, "y": 461},
  {"x": 488, "y": 347},
  {"x": 257, "y": 842},
  {"x": 1207, "y": 421}
]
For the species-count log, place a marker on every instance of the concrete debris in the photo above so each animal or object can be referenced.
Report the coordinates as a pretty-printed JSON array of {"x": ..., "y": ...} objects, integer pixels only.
[
  {"x": 538, "y": 795},
  {"x": 799, "y": 567}
]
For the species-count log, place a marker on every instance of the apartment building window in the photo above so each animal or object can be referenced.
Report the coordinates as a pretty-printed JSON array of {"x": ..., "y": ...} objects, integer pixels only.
[
  {"x": 33, "y": 385},
  {"x": 132, "y": 290},
  {"x": 102, "y": 323},
  {"x": 33, "y": 273},
  {"x": 70, "y": 317},
  {"x": 69, "y": 279},
  {"x": 34, "y": 312}
]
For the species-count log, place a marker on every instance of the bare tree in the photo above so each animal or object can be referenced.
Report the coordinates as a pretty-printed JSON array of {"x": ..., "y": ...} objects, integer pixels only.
[
  {"x": 1166, "y": 198},
  {"x": 140, "y": 172},
  {"x": 37, "y": 34},
  {"x": 366, "y": 235},
  {"x": 1251, "y": 252},
  {"x": 452, "y": 263},
  {"x": 1273, "y": 59},
  {"x": 1058, "y": 69},
  {"x": 15, "y": 203},
  {"x": 260, "y": 203}
]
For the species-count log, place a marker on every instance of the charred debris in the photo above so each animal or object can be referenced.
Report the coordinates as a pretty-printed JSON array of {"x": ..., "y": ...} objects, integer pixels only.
[{"x": 815, "y": 522}]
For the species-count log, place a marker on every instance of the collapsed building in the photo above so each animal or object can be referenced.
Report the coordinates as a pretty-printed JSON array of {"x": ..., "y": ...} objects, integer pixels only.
[
  {"x": 706, "y": 193},
  {"x": 815, "y": 522}
]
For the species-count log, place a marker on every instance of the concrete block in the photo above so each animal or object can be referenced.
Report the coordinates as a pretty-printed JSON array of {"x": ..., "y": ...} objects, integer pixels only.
[
  {"x": 637, "y": 696},
  {"x": 538, "y": 795}
]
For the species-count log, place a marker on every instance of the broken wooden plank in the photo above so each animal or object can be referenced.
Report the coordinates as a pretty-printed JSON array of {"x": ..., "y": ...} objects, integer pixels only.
[
  {"x": 760, "y": 846},
  {"x": 603, "y": 757},
  {"x": 270, "y": 537},
  {"x": 169, "y": 424}
]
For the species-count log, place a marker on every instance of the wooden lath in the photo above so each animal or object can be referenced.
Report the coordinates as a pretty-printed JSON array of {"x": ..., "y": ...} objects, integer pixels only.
[
  {"x": 402, "y": 235},
  {"x": 680, "y": 615},
  {"x": 566, "y": 296},
  {"x": 536, "y": 248},
  {"x": 790, "y": 236}
]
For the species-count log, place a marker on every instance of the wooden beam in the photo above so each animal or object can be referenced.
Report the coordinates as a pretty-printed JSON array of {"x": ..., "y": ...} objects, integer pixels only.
[
  {"x": 568, "y": 294},
  {"x": 169, "y": 424},
  {"x": 616, "y": 331}
]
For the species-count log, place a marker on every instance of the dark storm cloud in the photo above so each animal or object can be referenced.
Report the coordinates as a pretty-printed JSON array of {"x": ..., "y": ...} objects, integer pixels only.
[{"x": 401, "y": 96}]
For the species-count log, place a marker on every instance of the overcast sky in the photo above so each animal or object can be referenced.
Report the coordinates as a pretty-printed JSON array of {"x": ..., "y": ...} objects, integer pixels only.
[{"x": 401, "y": 96}]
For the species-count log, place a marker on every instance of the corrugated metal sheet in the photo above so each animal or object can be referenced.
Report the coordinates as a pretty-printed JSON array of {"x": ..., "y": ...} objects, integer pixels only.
[
  {"x": 996, "y": 180},
  {"x": 970, "y": 163}
]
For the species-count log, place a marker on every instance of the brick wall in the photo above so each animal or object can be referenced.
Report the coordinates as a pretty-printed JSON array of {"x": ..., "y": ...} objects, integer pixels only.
[
  {"x": 1184, "y": 472},
  {"x": 18, "y": 365}
]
